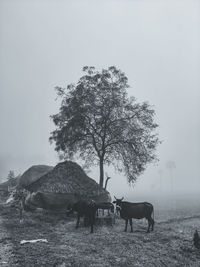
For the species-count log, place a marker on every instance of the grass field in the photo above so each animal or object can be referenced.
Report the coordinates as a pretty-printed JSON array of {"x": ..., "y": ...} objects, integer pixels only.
[{"x": 169, "y": 245}]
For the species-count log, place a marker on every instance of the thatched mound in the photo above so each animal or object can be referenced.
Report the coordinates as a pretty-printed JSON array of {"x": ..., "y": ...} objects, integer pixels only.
[
  {"x": 69, "y": 177},
  {"x": 33, "y": 174}
]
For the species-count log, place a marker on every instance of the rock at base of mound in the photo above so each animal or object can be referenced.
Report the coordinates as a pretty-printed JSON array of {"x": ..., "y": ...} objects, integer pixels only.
[
  {"x": 33, "y": 174},
  {"x": 102, "y": 221},
  {"x": 105, "y": 220}
]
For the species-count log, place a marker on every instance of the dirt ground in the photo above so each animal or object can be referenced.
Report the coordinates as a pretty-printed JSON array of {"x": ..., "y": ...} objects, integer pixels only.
[{"x": 169, "y": 245}]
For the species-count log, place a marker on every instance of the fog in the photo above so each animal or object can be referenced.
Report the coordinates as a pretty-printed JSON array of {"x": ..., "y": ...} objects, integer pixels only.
[{"x": 156, "y": 43}]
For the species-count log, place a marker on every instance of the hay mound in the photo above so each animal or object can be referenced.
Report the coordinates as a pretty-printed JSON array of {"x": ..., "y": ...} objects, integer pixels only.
[
  {"x": 33, "y": 174},
  {"x": 69, "y": 177}
]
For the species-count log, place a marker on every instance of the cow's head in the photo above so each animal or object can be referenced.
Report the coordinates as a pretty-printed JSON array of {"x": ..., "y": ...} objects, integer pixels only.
[{"x": 118, "y": 202}]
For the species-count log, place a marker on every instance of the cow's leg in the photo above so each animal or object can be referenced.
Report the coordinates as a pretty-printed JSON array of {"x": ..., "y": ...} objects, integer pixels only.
[
  {"x": 149, "y": 224},
  {"x": 78, "y": 220},
  {"x": 152, "y": 224},
  {"x": 125, "y": 230},
  {"x": 92, "y": 221},
  {"x": 91, "y": 228},
  {"x": 91, "y": 224},
  {"x": 131, "y": 224}
]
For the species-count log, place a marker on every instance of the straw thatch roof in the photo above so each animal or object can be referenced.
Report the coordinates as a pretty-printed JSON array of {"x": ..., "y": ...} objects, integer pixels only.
[
  {"x": 68, "y": 177},
  {"x": 33, "y": 174}
]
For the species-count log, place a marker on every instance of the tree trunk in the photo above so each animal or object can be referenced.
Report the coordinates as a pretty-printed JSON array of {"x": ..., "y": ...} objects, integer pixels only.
[{"x": 101, "y": 173}]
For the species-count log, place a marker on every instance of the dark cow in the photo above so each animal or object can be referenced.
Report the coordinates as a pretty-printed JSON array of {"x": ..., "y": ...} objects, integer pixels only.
[
  {"x": 105, "y": 206},
  {"x": 140, "y": 210},
  {"x": 86, "y": 209}
]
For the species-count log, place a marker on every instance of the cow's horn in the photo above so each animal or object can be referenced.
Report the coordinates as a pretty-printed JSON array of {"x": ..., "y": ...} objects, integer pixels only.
[
  {"x": 122, "y": 198},
  {"x": 115, "y": 197}
]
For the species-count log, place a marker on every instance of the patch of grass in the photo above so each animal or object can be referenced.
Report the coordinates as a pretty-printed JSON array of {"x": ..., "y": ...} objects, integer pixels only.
[{"x": 108, "y": 246}]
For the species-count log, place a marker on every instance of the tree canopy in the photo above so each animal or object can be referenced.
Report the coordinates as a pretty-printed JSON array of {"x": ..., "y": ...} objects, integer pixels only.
[{"x": 101, "y": 124}]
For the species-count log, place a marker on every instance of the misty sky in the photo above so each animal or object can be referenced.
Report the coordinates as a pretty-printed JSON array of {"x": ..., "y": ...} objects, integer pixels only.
[{"x": 156, "y": 43}]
